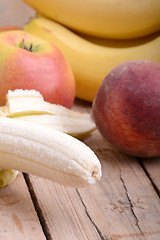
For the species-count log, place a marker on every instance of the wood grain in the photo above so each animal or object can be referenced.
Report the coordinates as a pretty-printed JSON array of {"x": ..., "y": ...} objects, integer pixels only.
[
  {"x": 124, "y": 205},
  {"x": 131, "y": 204},
  {"x": 152, "y": 169},
  {"x": 17, "y": 214},
  {"x": 63, "y": 211}
]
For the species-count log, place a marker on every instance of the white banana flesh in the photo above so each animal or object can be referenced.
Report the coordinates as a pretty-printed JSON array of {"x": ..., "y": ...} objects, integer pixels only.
[{"x": 31, "y": 148}]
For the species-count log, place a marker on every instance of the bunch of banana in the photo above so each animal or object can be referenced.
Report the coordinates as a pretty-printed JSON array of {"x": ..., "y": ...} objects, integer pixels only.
[
  {"x": 103, "y": 18},
  {"x": 33, "y": 139},
  {"x": 90, "y": 57}
]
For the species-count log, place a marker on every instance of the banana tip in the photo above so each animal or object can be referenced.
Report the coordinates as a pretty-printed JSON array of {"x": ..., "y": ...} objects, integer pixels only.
[{"x": 95, "y": 176}]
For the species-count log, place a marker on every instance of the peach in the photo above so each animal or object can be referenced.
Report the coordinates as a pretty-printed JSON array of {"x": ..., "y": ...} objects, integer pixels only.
[
  {"x": 126, "y": 109},
  {"x": 28, "y": 62}
]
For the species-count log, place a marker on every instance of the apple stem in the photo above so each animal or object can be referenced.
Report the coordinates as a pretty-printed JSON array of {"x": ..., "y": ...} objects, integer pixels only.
[{"x": 24, "y": 46}]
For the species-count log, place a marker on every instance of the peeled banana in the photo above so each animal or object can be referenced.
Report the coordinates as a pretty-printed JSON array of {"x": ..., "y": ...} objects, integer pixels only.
[
  {"x": 91, "y": 59},
  {"x": 31, "y": 148},
  {"x": 103, "y": 18},
  {"x": 33, "y": 139}
]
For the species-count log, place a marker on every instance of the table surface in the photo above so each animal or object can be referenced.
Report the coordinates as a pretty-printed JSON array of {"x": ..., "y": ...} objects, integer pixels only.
[{"x": 124, "y": 205}]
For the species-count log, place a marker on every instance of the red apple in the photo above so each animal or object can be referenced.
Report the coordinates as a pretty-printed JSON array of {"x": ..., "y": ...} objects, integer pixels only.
[
  {"x": 126, "y": 109},
  {"x": 28, "y": 62},
  {"x": 9, "y": 28}
]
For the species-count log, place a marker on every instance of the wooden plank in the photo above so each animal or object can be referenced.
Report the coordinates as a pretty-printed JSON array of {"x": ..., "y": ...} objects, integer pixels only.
[
  {"x": 17, "y": 214},
  {"x": 131, "y": 205},
  {"x": 124, "y": 205},
  {"x": 62, "y": 210},
  {"x": 152, "y": 169}
]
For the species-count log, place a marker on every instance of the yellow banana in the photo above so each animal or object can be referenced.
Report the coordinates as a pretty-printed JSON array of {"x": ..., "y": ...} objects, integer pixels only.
[
  {"x": 7, "y": 176},
  {"x": 103, "y": 18},
  {"x": 92, "y": 58}
]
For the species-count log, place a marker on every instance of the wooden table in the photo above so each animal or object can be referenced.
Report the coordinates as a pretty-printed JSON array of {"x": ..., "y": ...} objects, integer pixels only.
[{"x": 124, "y": 205}]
